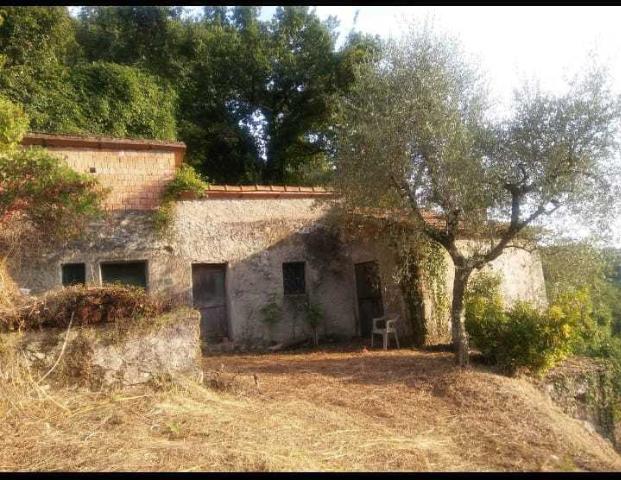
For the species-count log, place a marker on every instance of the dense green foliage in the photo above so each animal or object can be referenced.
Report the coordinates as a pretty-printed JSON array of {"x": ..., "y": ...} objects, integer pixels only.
[
  {"x": 13, "y": 124},
  {"x": 591, "y": 275},
  {"x": 570, "y": 267},
  {"x": 37, "y": 190},
  {"x": 522, "y": 336},
  {"x": 582, "y": 318},
  {"x": 253, "y": 99},
  {"x": 121, "y": 101}
]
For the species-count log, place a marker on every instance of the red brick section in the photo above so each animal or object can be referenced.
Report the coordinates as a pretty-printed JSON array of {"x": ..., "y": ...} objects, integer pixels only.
[
  {"x": 135, "y": 171},
  {"x": 266, "y": 191}
]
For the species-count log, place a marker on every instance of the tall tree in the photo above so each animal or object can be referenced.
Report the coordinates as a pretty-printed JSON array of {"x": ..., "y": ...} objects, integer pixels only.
[
  {"x": 300, "y": 91},
  {"x": 37, "y": 47},
  {"x": 144, "y": 36},
  {"x": 254, "y": 99},
  {"x": 415, "y": 134}
]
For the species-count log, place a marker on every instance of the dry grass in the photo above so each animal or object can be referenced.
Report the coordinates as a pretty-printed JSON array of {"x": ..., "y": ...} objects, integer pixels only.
[
  {"x": 9, "y": 293},
  {"x": 327, "y": 410}
]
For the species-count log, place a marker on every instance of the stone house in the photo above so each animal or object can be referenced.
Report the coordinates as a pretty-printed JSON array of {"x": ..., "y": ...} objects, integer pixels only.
[{"x": 238, "y": 250}]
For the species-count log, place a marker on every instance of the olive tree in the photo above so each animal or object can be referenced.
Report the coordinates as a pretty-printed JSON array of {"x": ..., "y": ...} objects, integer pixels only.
[{"x": 416, "y": 133}]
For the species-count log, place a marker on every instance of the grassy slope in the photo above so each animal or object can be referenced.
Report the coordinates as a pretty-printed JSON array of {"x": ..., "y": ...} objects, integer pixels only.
[{"x": 330, "y": 410}]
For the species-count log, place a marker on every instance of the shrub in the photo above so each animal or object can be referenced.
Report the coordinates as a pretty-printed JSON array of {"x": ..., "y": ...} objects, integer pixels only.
[
  {"x": 122, "y": 101},
  {"x": 313, "y": 316},
  {"x": 522, "y": 336},
  {"x": 271, "y": 313},
  {"x": 13, "y": 123},
  {"x": 37, "y": 187},
  {"x": 187, "y": 182},
  {"x": 86, "y": 305}
]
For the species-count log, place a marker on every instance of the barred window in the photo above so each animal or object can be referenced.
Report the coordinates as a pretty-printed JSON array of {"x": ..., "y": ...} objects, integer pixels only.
[
  {"x": 293, "y": 278},
  {"x": 73, "y": 274}
]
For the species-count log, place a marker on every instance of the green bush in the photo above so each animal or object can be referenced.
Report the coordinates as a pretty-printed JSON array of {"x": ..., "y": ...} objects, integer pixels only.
[
  {"x": 38, "y": 187},
  {"x": 122, "y": 101},
  {"x": 13, "y": 124},
  {"x": 271, "y": 314},
  {"x": 186, "y": 182},
  {"x": 522, "y": 337},
  {"x": 313, "y": 316}
]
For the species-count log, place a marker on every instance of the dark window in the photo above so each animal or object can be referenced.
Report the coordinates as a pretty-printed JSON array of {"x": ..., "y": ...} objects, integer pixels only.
[
  {"x": 74, "y": 274},
  {"x": 125, "y": 273},
  {"x": 293, "y": 278}
]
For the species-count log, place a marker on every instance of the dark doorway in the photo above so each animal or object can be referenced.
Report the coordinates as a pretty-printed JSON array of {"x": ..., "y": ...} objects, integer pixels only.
[
  {"x": 209, "y": 295},
  {"x": 369, "y": 291}
]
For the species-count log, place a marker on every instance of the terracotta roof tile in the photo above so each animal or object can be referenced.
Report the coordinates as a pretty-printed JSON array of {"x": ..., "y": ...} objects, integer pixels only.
[{"x": 266, "y": 191}]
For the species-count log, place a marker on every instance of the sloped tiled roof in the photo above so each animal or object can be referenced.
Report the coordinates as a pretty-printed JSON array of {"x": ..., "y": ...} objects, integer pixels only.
[{"x": 266, "y": 191}]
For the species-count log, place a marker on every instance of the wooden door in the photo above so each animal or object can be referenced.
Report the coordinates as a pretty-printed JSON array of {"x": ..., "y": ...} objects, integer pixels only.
[
  {"x": 369, "y": 292},
  {"x": 209, "y": 293}
]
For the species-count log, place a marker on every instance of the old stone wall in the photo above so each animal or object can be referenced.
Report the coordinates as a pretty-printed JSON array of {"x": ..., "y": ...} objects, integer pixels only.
[
  {"x": 582, "y": 387},
  {"x": 253, "y": 238},
  {"x": 101, "y": 355}
]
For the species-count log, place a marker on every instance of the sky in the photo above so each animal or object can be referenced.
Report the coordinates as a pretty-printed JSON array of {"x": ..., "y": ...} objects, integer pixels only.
[{"x": 512, "y": 43}]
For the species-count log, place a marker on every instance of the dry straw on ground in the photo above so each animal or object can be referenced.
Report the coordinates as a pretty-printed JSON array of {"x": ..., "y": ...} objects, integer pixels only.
[
  {"x": 327, "y": 410},
  {"x": 9, "y": 293}
]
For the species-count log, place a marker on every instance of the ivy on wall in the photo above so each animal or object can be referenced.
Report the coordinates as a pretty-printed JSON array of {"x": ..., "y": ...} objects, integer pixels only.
[
  {"x": 420, "y": 270},
  {"x": 186, "y": 184}
]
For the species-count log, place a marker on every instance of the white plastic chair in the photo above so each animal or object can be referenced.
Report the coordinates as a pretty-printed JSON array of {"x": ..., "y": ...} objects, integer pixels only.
[{"x": 389, "y": 327}]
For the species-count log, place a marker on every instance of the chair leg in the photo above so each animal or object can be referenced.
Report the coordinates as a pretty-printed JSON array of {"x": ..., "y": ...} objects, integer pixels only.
[
  {"x": 372, "y": 339},
  {"x": 397, "y": 339},
  {"x": 385, "y": 341}
]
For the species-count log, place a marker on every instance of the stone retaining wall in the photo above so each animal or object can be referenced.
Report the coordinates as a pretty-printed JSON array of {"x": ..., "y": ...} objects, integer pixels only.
[
  {"x": 103, "y": 355},
  {"x": 582, "y": 387}
]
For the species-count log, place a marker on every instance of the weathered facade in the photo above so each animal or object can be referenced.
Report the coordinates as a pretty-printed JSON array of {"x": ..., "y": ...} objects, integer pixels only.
[{"x": 239, "y": 249}]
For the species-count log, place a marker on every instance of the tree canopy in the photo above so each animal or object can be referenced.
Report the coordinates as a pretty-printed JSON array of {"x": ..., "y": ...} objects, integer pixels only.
[
  {"x": 253, "y": 99},
  {"x": 416, "y": 133}
]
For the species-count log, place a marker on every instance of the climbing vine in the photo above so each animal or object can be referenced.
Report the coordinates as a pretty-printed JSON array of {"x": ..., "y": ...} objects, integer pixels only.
[
  {"x": 186, "y": 184},
  {"x": 420, "y": 270}
]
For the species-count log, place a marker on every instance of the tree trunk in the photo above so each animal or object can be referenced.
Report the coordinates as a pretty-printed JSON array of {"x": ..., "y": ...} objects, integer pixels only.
[{"x": 458, "y": 327}]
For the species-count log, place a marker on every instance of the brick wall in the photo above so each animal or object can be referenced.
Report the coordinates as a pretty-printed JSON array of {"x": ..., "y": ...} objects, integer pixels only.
[
  {"x": 135, "y": 172},
  {"x": 136, "y": 179}
]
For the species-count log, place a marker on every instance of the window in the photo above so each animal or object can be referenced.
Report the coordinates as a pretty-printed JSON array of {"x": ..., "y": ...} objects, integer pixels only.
[
  {"x": 293, "y": 278},
  {"x": 125, "y": 273},
  {"x": 73, "y": 274}
]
